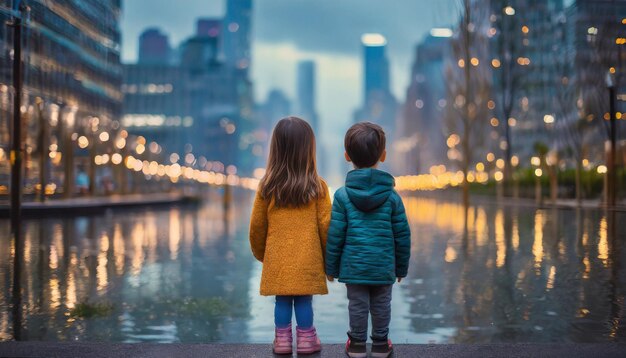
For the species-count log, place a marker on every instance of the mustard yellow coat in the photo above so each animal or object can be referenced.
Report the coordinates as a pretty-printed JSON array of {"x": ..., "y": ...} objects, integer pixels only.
[{"x": 291, "y": 243}]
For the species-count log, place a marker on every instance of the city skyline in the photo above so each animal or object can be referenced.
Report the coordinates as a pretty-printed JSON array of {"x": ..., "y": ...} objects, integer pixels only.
[
  {"x": 316, "y": 31},
  {"x": 132, "y": 193}
]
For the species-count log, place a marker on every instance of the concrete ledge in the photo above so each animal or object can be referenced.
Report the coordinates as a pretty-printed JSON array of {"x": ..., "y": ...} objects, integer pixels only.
[
  {"x": 92, "y": 205},
  {"x": 94, "y": 350}
]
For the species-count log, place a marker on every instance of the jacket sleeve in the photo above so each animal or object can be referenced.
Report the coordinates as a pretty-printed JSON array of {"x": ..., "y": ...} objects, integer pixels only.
[
  {"x": 323, "y": 216},
  {"x": 258, "y": 227},
  {"x": 401, "y": 236},
  {"x": 336, "y": 237}
]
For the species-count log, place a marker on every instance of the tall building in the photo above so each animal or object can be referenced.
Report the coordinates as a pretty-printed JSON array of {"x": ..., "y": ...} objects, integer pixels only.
[
  {"x": 198, "y": 104},
  {"x": 379, "y": 105},
  {"x": 209, "y": 27},
  {"x": 238, "y": 33},
  {"x": 306, "y": 93},
  {"x": 560, "y": 56},
  {"x": 421, "y": 140},
  {"x": 376, "y": 64},
  {"x": 199, "y": 52},
  {"x": 72, "y": 69},
  {"x": 154, "y": 47},
  {"x": 531, "y": 54},
  {"x": 212, "y": 28},
  {"x": 276, "y": 106},
  {"x": 596, "y": 28}
]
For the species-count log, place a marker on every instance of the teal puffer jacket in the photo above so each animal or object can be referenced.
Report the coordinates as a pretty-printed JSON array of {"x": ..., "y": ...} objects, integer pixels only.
[{"x": 369, "y": 241}]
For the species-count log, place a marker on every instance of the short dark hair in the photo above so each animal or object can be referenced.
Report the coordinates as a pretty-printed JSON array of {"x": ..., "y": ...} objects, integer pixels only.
[{"x": 365, "y": 143}]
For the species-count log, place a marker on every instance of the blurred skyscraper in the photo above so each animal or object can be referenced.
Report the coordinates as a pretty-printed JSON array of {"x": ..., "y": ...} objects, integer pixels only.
[
  {"x": 306, "y": 93},
  {"x": 596, "y": 33},
  {"x": 154, "y": 47},
  {"x": 72, "y": 73},
  {"x": 376, "y": 75},
  {"x": 276, "y": 106},
  {"x": 532, "y": 56},
  {"x": 209, "y": 27},
  {"x": 238, "y": 33},
  {"x": 421, "y": 140},
  {"x": 213, "y": 29},
  {"x": 202, "y": 101},
  {"x": 379, "y": 105}
]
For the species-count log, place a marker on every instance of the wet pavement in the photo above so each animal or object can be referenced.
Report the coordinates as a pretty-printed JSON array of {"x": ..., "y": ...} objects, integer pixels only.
[
  {"x": 488, "y": 274},
  {"x": 105, "y": 350}
]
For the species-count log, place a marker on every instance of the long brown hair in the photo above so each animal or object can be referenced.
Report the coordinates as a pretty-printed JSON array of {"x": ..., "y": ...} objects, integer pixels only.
[{"x": 291, "y": 177}]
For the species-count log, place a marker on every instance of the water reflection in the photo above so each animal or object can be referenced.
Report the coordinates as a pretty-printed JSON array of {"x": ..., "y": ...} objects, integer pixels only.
[{"x": 478, "y": 274}]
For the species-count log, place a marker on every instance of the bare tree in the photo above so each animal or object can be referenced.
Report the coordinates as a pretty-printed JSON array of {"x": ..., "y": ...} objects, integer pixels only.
[
  {"x": 569, "y": 122},
  {"x": 468, "y": 79},
  {"x": 509, "y": 47},
  {"x": 581, "y": 98}
]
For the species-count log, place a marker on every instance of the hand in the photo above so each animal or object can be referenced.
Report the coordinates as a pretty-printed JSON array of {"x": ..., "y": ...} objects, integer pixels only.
[
  {"x": 330, "y": 278},
  {"x": 399, "y": 279}
]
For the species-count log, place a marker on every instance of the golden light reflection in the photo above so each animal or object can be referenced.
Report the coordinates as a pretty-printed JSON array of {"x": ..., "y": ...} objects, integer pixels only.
[
  {"x": 603, "y": 244},
  {"x": 538, "y": 241},
  {"x": 500, "y": 241},
  {"x": 587, "y": 267},
  {"x": 482, "y": 230},
  {"x": 54, "y": 258},
  {"x": 447, "y": 216},
  {"x": 470, "y": 219},
  {"x": 101, "y": 269},
  {"x": 515, "y": 234},
  {"x": 550, "y": 283},
  {"x": 450, "y": 255},
  {"x": 118, "y": 249},
  {"x": 27, "y": 248},
  {"x": 150, "y": 237},
  {"x": 137, "y": 236},
  {"x": 57, "y": 239},
  {"x": 55, "y": 293},
  {"x": 174, "y": 237},
  {"x": 70, "y": 294}
]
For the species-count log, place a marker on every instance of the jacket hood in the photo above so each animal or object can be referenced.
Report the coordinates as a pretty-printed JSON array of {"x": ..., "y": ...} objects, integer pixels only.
[{"x": 369, "y": 188}]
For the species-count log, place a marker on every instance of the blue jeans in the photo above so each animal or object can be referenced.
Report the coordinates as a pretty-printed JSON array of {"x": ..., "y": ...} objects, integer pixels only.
[{"x": 303, "y": 305}]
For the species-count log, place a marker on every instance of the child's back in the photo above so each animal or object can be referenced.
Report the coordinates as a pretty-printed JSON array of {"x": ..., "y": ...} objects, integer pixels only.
[
  {"x": 287, "y": 241},
  {"x": 369, "y": 241},
  {"x": 288, "y": 230},
  {"x": 374, "y": 250}
]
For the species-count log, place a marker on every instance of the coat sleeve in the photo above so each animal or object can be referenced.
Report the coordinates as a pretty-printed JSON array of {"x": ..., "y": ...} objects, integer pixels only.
[
  {"x": 336, "y": 237},
  {"x": 401, "y": 236},
  {"x": 323, "y": 216},
  {"x": 258, "y": 227}
]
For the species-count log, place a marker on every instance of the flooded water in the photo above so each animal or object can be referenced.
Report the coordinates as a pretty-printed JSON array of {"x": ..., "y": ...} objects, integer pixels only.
[{"x": 186, "y": 274}]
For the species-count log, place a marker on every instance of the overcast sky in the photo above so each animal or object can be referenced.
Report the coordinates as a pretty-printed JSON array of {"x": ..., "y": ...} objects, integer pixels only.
[{"x": 327, "y": 31}]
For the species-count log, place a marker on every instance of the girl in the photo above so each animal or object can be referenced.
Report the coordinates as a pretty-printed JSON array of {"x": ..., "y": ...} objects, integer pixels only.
[{"x": 290, "y": 218}]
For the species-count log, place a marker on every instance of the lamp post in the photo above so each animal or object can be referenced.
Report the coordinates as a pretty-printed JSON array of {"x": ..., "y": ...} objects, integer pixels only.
[
  {"x": 16, "y": 130},
  {"x": 19, "y": 11},
  {"x": 610, "y": 84}
]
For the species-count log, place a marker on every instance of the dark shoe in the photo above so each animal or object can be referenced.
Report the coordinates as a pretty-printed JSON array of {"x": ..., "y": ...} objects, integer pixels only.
[
  {"x": 355, "y": 349},
  {"x": 382, "y": 349}
]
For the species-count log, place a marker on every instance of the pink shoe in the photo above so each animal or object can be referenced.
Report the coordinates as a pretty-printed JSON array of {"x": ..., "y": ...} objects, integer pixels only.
[
  {"x": 307, "y": 341},
  {"x": 283, "y": 340}
]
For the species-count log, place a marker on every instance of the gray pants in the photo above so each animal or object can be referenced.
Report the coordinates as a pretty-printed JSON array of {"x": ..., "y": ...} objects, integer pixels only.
[{"x": 366, "y": 299}]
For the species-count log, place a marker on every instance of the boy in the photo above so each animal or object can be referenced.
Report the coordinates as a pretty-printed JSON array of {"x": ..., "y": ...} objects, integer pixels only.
[{"x": 369, "y": 241}]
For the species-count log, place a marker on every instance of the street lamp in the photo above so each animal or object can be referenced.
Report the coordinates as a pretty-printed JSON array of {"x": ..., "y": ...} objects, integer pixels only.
[
  {"x": 19, "y": 12},
  {"x": 610, "y": 84}
]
